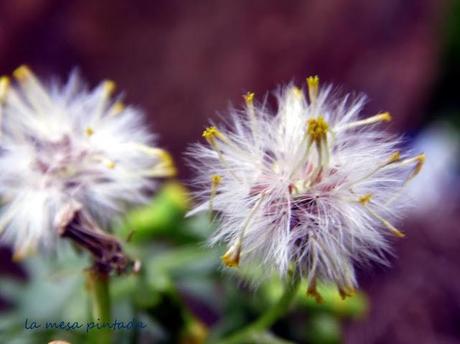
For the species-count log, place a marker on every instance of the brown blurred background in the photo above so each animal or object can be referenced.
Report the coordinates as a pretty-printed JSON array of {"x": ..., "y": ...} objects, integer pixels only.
[{"x": 184, "y": 61}]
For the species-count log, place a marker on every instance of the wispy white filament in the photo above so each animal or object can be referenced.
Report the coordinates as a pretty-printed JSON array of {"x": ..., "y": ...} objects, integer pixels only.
[
  {"x": 309, "y": 185},
  {"x": 63, "y": 144}
]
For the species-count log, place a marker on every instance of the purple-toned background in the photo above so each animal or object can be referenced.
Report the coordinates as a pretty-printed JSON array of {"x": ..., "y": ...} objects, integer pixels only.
[{"x": 184, "y": 61}]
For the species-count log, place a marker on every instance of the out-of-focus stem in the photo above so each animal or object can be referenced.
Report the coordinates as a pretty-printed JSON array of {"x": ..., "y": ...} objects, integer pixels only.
[
  {"x": 98, "y": 287},
  {"x": 268, "y": 318}
]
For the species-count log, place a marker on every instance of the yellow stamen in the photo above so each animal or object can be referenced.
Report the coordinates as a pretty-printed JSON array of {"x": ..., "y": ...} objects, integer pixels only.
[
  {"x": 109, "y": 87},
  {"x": 89, "y": 131},
  {"x": 116, "y": 108},
  {"x": 317, "y": 128},
  {"x": 251, "y": 112},
  {"x": 365, "y": 199},
  {"x": 312, "y": 291},
  {"x": 231, "y": 258},
  {"x": 346, "y": 291},
  {"x": 313, "y": 85},
  {"x": 420, "y": 161},
  {"x": 22, "y": 73},
  {"x": 381, "y": 117},
  {"x": 297, "y": 92},
  {"x": 211, "y": 133},
  {"x": 215, "y": 182},
  {"x": 249, "y": 98},
  {"x": 110, "y": 164},
  {"x": 4, "y": 85},
  {"x": 395, "y": 157},
  {"x": 387, "y": 224},
  {"x": 34, "y": 91}
]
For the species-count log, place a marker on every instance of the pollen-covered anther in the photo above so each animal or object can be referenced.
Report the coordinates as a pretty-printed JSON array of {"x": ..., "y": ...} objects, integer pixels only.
[
  {"x": 109, "y": 87},
  {"x": 317, "y": 128},
  {"x": 116, "y": 108},
  {"x": 231, "y": 258},
  {"x": 384, "y": 117},
  {"x": 346, "y": 291},
  {"x": 211, "y": 133},
  {"x": 22, "y": 73},
  {"x": 89, "y": 131},
  {"x": 313, "y": 86},
  {"x": 4, "y": 85},
  {"x": 312, "y": 291},
  {"x": 215, "y": 182},
  {"x": 395, "y": 157},
  {"x": 420, "y": 161},
  {"x": 110, "y": 164},
  {"x": 365, "y": 199},
  {"x": 380, "y": 117},
  {"x": 297, "y": 92},
  {"x": 249, "y": 98}
]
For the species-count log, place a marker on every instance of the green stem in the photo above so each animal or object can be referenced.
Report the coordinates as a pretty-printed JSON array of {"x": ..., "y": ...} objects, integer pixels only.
[
  {"x": 267, "y": 319},
  {"x": 98, "y": 285}
]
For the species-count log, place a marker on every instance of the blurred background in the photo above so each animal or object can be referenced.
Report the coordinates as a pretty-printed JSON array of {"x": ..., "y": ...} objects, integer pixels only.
[{"x": 186, "y": 61}]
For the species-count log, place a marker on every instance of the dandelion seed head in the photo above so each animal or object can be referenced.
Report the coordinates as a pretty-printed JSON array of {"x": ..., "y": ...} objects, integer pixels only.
[
  {"x": 309, "y": 186},
  {"x": 61, "y": 144}
]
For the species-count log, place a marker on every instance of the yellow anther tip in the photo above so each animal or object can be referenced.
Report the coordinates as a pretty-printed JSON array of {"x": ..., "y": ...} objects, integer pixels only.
[
  {"x": 365, "y": 199},
  {"x": 317, "y": 128},
  {"x": 117, "y": 108},
  {"x": 216, "y": 179},
  {"x": 22, "y": 72},
  {"x": 89, "y": 131},
  {"x": 249, "y": 98},
  {"x": 297, "y": 91},
  {"x": 4, "y": 80},
  {"x": 231, "y": 259},
  {"x": 346, "y": 292},
  {"x": 111, "y": 164},
  {"x": 313, "y": 80},
  {"x": 385, "y": 116},
  {"x": 396, "y": 156},
  {"x": 4, "y": 84},
  {"x": 313, "y": 292},
  {"x": 399, "y": 234},
  {"x": 210, "y": 133},
  {"x": 109, "y": 86}
]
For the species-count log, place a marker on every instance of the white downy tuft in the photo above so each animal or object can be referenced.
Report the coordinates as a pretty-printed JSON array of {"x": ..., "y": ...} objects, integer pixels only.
[
  {"x": 65, "y": 144},
  {"x": 310, "y": 186}
]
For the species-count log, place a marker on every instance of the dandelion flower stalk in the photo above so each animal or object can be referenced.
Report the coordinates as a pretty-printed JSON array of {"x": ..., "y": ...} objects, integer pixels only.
[
  {"x": 72, "y": 161},
  {"x": 310, "y": 184}
]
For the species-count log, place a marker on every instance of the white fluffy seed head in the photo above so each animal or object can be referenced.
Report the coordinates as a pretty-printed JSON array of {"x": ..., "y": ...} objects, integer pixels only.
[
  {"x": 64, "y": 144},
  {"x": 308, "y": 186}
]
